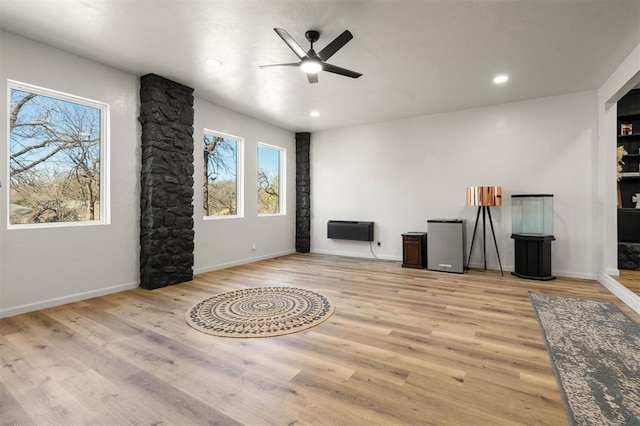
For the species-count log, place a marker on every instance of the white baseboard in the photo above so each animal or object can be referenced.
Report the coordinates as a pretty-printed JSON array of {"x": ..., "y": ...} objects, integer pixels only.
[
  {"x": 629, "y": 298},
  {"x": 365, "y": 255},
  {"x": 472, "y": 265},
  {"x": 491, "y": 267},
  {"x": 579, "y": 275},
  {"x": 624, "y": 294},
  {"x": 210, "y": 268},
  {"x": 43, "y": 304},
  {"x": 612, "y": 271},
  {"x": 565, "y": 274}
]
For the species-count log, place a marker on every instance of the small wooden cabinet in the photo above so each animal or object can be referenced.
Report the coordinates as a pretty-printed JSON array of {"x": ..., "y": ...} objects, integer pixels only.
[{"x": 414, "y": 250}]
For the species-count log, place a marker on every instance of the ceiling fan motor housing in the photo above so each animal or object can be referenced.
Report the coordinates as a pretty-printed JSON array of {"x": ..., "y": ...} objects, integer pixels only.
[{"x": 312, "y": 36}]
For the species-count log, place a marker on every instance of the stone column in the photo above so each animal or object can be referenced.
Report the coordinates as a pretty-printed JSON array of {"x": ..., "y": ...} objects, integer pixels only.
[
  {"x": 629, "y": 256},
  {"x": 166, "y": 193},
  {"x": 303, "y": 193}
]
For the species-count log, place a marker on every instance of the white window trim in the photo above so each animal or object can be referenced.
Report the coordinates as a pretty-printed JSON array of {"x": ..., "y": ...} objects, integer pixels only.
[
  {"x": 105, "y": 151},
  {"x": 282, "y": 179},
  {"x": 239, "y": 176}
]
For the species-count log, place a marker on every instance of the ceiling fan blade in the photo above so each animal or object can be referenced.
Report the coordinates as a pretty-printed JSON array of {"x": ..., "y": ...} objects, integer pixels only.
[
  {"x": 338, "y": 70},
  {"x": 291, "y": 43},
  {"x": 335, "y": 45},
  {"x": 313, "y": 78},
  {"x": 292, "y": 64}
]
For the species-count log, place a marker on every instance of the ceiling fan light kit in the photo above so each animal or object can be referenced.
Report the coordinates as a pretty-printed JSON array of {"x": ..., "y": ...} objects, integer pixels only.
[
  {"x": 311, "y": 66},
  {"x": 311, "y": 62}
]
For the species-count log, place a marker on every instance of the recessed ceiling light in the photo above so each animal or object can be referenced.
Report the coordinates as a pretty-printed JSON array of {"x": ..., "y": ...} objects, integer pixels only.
[
  {"x": 314, "y": 114},
  {"x": 501, "y": 79},
  {"x": 213, "y": 62}
]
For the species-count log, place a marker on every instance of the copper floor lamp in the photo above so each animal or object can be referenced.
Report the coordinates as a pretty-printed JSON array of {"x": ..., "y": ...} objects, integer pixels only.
[{"x": 484, "y": 197}]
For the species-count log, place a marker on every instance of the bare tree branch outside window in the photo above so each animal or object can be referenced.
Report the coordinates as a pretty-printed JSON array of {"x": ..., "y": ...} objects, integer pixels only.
[
  {"x": 55, "y": 164},
  {"x": 268, "y": 180},
  {"x": 220, "y": 160}
]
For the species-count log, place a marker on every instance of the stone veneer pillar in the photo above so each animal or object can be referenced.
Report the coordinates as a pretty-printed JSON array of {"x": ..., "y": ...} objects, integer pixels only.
[
  {"x": 166, "y": 194},
  {"x": 629, "y": 256},
  {"x": 303, "y": 193}
]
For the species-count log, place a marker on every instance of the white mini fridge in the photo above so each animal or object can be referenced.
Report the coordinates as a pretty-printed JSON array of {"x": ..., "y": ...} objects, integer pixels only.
[{"x": 446, "y": 242}]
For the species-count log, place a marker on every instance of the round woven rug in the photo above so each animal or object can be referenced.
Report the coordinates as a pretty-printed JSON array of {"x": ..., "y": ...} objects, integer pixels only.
[{"x": 259, "y": 312}]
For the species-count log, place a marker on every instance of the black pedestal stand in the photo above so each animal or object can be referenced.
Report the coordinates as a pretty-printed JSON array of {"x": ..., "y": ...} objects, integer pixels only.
[
  {"x": 487, "y": 211},
  {"x": 533, "y": 256}
]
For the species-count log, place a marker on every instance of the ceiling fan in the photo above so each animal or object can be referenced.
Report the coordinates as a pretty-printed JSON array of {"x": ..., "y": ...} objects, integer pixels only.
[{"x": 311, "y": 62}]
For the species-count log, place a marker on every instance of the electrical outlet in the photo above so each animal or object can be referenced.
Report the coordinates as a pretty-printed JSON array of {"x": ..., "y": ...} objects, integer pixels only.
[{"x": 379, "y": 243}]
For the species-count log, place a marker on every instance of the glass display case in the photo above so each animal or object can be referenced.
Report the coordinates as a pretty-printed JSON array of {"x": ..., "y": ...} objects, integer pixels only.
[
  {"x": 532, "y": 232},
  {"x": 532, "y": 214}
]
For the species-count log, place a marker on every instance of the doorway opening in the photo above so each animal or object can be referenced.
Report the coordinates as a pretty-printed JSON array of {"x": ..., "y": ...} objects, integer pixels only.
[{"x": 628, "y": 189}]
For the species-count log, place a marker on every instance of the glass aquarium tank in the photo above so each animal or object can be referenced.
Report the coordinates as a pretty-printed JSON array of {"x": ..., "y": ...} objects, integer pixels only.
[{"x": 532, "y": 214}]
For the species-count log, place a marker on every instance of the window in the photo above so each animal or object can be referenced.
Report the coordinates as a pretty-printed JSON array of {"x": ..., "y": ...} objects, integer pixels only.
[
  {"x": 270, "y": 175},
  {"x": 57, "y": 158},
  {"x": 222, "y": 175}
]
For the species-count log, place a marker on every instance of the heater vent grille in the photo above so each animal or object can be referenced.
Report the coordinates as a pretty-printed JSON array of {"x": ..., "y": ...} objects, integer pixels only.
[{"x": 350, "y": 230}]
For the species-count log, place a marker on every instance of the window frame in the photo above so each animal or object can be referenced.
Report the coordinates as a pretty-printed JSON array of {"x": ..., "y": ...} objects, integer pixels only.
[
  {"x": 239, "y": 175},
  {"x": 282, "y": 193},
  {"x": 105, "y": 149}
]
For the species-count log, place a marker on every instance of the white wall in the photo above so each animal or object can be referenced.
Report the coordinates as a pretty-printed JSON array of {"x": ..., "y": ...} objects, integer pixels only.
[
  {"x": 401, "y": 173},
  {"x": 220, "y": 243},
  {"x": 45, "y": 267},
  {"x": 398, "y": 174}
]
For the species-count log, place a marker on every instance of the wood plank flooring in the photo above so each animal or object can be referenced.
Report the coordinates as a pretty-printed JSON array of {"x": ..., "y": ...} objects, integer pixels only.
[
  {"x": 630, "y": 279},
  {"x": 403, "y": 347}
]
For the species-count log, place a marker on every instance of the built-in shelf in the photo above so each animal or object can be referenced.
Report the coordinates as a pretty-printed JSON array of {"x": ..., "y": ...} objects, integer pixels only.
[{"x": 629, "y": 184}]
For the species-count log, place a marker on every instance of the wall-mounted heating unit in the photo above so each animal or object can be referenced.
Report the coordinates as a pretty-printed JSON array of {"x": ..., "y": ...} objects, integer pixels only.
[{"x": 350, "y": 230}]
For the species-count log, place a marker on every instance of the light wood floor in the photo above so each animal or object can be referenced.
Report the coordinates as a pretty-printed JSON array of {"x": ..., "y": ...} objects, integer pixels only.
[
  {"x": 630, "y": 279},
  {"x": 403, "y": 347}
]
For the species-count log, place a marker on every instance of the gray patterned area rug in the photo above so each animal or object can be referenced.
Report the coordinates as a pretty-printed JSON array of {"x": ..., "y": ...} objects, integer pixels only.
[
  {"x": 259, "y": 312},
  {"x": 595, "y": 354}
]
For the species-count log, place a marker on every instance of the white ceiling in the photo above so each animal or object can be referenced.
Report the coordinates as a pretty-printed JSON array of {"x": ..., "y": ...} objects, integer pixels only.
[{"x": 417, "y": 57}]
